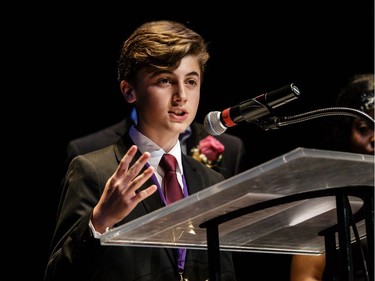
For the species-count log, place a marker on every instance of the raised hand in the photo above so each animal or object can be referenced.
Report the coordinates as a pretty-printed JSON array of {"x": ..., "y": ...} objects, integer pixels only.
[{"x": 119, "y": 197}]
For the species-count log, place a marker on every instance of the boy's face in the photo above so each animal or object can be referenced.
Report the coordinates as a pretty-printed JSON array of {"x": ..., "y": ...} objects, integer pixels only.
[{"x": 167, "y": 101}]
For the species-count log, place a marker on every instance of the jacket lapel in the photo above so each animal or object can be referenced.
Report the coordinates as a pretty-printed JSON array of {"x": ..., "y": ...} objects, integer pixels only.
[
  {"x": 194, "y": 179},
  {"x": 151, "y": 203}
]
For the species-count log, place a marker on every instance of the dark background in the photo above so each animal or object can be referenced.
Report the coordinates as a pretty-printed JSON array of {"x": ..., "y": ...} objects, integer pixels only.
[{"x": 63, "y": 81}]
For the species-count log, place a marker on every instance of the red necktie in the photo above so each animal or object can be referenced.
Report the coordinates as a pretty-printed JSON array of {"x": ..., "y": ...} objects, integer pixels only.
[{"x": 172, "y": 189}]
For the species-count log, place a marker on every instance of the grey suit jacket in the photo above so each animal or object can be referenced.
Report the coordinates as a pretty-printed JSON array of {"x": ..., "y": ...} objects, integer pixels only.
[{"x": 77, "y": 255}]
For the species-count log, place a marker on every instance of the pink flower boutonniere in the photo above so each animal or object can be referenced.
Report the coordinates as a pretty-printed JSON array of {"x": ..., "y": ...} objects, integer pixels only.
[{"x": 209, "y": 151}]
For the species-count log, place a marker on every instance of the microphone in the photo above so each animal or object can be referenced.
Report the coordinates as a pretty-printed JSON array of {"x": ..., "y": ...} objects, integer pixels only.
[{"x": 251, "y": 110}]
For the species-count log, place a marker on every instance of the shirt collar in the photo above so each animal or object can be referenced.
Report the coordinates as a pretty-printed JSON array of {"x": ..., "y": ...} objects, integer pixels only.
[{"x": 145, "y": 144}]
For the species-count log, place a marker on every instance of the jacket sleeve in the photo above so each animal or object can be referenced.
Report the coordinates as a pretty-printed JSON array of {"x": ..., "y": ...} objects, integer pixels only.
[{"x": 73, "y": 248}]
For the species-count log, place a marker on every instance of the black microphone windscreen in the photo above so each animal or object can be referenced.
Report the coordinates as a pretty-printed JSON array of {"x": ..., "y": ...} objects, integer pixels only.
[{"x": 212, "y": 123}]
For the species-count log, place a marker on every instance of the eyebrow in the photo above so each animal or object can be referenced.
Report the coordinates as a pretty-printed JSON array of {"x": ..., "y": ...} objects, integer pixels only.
[{"x": 193, "y": 73}]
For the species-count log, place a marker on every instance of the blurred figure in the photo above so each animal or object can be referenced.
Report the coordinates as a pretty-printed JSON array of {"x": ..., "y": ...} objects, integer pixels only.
[
  {"x": 231, "y": 162},
  {"x": 349, "y": 134}
]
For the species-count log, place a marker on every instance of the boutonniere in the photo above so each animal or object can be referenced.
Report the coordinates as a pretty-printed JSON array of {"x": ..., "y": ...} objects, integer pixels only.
[{"x": 209, "y": 151}]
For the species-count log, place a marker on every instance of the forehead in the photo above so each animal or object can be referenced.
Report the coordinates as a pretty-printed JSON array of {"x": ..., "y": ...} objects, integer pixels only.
[
  {"x": 371, "y": 113},
  {"x": 188, "y": 66}
]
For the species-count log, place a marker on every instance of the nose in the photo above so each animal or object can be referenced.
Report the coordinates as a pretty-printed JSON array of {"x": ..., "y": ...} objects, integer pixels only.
[
  {"x": 180, "y": 94},
  {"x": 372, "y": 138}
]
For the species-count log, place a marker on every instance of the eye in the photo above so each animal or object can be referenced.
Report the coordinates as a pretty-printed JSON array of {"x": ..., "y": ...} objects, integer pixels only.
[
  {"x": 164, "y": 80},
  {"x": 191, "y": 82},
  {"x": 362, "y": 127}
]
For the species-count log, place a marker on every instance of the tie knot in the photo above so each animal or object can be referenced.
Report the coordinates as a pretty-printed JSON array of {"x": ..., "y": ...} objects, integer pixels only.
[{"x": 168, "y": 162}]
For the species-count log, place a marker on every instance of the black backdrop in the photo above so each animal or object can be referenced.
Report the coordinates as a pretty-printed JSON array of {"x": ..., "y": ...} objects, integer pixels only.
[{"x": 65, "y": 77}]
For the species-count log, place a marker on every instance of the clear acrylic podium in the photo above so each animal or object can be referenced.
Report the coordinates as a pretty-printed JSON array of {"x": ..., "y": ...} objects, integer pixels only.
[{"x": 293, "y": 204}]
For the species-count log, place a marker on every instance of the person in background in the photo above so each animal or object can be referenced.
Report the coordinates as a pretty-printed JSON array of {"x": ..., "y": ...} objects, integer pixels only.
[
  {"x": 160, "y": 71},
  {"x": 349, "y": 134},
  {"x": 229, "y": 159}
]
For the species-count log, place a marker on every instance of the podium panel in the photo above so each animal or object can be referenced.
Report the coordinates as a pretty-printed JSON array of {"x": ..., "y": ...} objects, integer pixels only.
[{"x": 287, "y": 228}]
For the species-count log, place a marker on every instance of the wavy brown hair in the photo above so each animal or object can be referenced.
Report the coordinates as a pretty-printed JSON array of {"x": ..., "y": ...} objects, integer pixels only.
[{"x": 160, "y": 45}]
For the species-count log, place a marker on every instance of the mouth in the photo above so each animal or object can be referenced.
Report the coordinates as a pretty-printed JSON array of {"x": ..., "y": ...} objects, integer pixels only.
[{"x": 177, "y": 112}]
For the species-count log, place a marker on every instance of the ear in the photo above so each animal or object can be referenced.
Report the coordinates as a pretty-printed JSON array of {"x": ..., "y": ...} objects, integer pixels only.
[{"x": 127, "y": 91}]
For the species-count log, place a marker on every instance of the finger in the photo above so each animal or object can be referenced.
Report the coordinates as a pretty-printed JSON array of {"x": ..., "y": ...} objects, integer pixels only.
[
  {"x": 134, "y": 170},
  {"x": 143, "y": 194},
  {"x": 125, "y": 161},
  {"x": 139, "y": 180}
]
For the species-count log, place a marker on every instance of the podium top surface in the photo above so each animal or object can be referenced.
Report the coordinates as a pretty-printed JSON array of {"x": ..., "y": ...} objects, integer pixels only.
[{"x": 287, "y": 228}]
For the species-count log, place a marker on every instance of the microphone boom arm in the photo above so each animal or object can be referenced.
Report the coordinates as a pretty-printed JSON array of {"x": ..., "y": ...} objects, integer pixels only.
[{"x": 276, "y": 122}]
